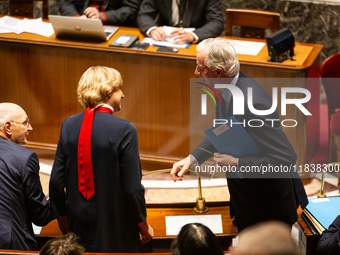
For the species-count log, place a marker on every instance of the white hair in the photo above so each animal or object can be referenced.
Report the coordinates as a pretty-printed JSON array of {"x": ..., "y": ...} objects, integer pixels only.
[
  {"x": 220, "y": 54},
  {"x": 6, "y": 114}
]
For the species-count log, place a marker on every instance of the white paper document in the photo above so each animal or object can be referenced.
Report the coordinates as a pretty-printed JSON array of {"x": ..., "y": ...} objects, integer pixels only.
[
  {"x": 37, "y": 26},
  {"x": 168, "y": 30},
  {"x": 174, "y": 224},
  {"x": 247, "y": 47},
  {"x": 18, "y": 26},
  {"x": 10, "y": 24},
  {"x": 164, "y": 43},
  {"x": 5, "y": 31},
  {"x": 170, "y": 42},
  {"x": 36, "y": 229}
]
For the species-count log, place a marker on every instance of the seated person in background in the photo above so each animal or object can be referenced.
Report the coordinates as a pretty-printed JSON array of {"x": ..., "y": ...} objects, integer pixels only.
[
  {"x": 63, "y": 245},
  {"x": 111, "y": 12},
  {"x": 196, "y": 239},
  {"x": 329, "y": 243},
  {"x": 266, "y": 238},
  {"x": 204, "y": 15},
  {"x": 22, "y": 200}
]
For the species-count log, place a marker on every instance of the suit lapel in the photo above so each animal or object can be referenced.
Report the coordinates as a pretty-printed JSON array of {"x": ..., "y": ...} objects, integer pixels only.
[
  {"x": 230, "y": 107},
  {"x": 189, "y": 12},
  {"x": 168, "y": 6},
  {"x": 86, "y": 4},
  {"x": 105, "y": 4}
]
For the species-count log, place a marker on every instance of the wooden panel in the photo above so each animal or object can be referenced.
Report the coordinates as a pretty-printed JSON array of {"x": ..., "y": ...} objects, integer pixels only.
[
  {"x": 156, "y": 218},
  {"x": 250, "y": 22},
  {"x": 41, "y": 75},
  {"x": 155, "y": 93}
]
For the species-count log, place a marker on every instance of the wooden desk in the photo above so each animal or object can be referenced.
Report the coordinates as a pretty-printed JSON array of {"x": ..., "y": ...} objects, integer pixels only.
[
  {"x": 41, "y": 75},
  {"x": 18, "y": 252},
  {"x": 156, "y": 217},
  {"x": 307, "y": 241}
]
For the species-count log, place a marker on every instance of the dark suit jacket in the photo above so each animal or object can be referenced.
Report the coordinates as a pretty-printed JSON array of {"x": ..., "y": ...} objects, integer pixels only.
[
  {"x": 118, "y": 12},
  {"x": 22, "y": 200},
  {"x": 107, "y": 222},
  {"x": 258, "y": 197},
  {"x": 204, "y": 15},
  {"x": 329, "y": 243}
]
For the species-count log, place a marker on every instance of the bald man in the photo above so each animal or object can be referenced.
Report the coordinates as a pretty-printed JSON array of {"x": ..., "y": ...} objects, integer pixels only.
[
  {"x": 266, "y": 238},
  {"x": 22, "y": 200}
]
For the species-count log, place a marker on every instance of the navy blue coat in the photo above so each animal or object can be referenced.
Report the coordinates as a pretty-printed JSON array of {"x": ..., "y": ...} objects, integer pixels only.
[
  {"x": 329, "y": 243},
  {"x": 22, "y": 200},
  {"x": 257, "y": 197},
  {"x": 107, "y": 222}
]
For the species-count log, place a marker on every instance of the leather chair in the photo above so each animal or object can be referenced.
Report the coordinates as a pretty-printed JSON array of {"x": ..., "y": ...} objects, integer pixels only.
[
  {"x": 25, "y": 8},
  {"x": 252, "y": 22},
  {"x": 329, "y": 72}
]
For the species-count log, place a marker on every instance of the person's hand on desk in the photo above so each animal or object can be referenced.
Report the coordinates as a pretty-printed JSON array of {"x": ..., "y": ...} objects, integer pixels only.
[
  {"x": 158, "y": 34},
  {"x": 146, "y": 232},
  {"x": 225, "y": 160},
  {"x": 92, "y": 13},
  {"x": 180, "y": 168},
  {"x": 180, "y": 36}
]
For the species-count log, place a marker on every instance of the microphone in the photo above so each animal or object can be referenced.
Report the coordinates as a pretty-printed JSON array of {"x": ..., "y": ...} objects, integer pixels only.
[{"x": 200, "y": 201}]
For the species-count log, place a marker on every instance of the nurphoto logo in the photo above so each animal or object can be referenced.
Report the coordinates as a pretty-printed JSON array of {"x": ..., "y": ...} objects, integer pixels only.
[{"x": 239, "y": 102}]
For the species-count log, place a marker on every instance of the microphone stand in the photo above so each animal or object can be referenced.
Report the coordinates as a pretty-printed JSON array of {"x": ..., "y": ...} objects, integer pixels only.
[
  {"x": 324, "y": 170},
  {"x": 200, "y": 201},
  {"x": 322, "y": 194}
]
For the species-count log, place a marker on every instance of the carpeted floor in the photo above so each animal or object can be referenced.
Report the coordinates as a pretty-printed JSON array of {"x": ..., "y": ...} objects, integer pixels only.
[{"x": 159, "y": 188}]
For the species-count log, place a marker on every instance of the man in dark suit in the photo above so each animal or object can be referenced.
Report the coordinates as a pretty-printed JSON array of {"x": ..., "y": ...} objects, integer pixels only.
[
  {"x": 253, "y": 197},
  {"x": 329, "y": 243},
  {"x": 111, "y": 12},
  {"x": 22, "y": 200},
  {"x": 205, "y": 16},
  {"x": 266, "y": 238}
]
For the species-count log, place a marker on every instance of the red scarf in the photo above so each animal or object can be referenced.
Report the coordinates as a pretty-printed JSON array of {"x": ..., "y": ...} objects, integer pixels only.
[{"x": 85, "y": 168}]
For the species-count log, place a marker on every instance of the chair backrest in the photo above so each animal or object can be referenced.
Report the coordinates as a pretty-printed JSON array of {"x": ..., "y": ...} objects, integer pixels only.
[
  {"x": 330, "y": 68},
  {"x": 252, "y": 22},
  {"x": 25, "y": 8}
]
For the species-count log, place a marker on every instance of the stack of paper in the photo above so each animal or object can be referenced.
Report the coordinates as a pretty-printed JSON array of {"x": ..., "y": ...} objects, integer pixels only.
[
  {"x": 321, "y": 212},
  {"x": 169, "y": 42},
  {"x": 18, "y": 26}
]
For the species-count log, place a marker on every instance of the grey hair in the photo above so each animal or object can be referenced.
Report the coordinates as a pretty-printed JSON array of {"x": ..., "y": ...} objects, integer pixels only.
[
  {"x": 6, "y": 114},
  {"x": 220, "y": 54}
]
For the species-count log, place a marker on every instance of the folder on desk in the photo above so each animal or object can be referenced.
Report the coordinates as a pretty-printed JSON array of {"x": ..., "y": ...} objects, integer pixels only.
[
  {"x": 231, "y": 138},
  {"x": 124, "y": 41},
  {"x": 321, "y": 212}
]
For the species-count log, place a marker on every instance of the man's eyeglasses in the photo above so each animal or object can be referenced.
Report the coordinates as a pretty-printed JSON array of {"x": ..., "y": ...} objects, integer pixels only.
[
  {"x": 201, "y": 70},
  {"x": 25, "y": 123}
]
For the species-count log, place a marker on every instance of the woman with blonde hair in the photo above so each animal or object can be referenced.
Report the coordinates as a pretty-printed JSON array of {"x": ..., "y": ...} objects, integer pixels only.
[{"x": 97, "y": 163}]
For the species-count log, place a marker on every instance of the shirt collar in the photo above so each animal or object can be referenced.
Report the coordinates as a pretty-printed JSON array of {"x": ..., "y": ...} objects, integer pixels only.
[
  {"x": 226, "y": 93},
  {"x": 233, "y": 82},
  {"x": 107, "y": 106}
]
